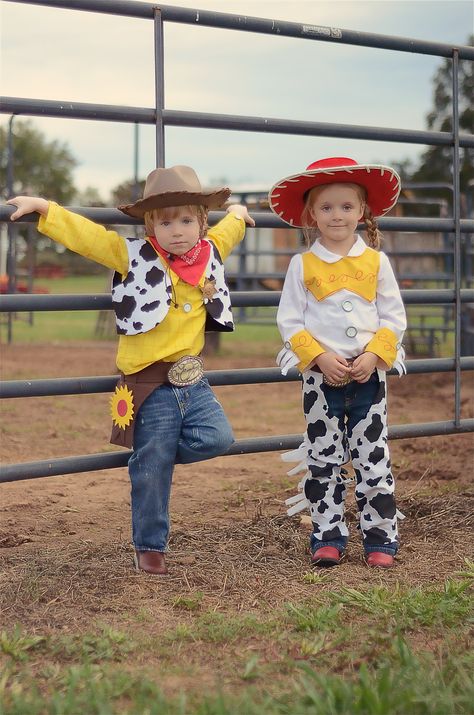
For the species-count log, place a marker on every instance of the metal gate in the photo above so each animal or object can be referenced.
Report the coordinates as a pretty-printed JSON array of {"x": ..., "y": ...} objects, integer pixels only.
[{"x": 160, "y": 117}]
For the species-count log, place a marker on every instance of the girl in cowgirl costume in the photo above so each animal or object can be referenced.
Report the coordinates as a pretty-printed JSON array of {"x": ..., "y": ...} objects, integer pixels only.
[
  {"x": 342, "y": 321},
  {"x": 167, "y": 289}
]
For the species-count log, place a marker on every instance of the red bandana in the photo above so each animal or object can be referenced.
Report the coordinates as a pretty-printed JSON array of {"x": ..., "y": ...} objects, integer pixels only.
[{"x": 190, "y": 266}]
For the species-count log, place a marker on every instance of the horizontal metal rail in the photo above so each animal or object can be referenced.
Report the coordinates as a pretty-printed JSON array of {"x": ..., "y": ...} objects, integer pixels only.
[
  {"x": 19, "y": 302},
  {"x": 263, "y": 219},
  {"x": 202, "y": 120},
  {"x": 217, "y": 378},
  {"x": 244, "y": 23},
  {"x": 108, "y": 460}
]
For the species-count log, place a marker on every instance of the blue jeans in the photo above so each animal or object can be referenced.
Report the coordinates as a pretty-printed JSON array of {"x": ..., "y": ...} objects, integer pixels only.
[{"x": 174, "y": 425}]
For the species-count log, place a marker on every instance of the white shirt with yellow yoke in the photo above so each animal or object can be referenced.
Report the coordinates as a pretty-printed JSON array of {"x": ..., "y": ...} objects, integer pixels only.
[{"x": 342, "y": 304}]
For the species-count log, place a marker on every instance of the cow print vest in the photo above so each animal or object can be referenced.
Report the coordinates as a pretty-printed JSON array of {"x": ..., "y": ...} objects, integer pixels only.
[{"x": 142, "y": 299}]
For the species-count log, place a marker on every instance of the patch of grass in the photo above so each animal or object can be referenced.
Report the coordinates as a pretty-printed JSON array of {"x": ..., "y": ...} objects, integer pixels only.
[
  {"x": 250, "y": 340},
  {"x": 18, "y": 645},
  {"x": 310, "y": 619},
  {"x": 50, "y": 326},
  {"x": 414, "y": 607},
  {"x": 216, "y": 628},
  {"x": 190, "y": 602},
  {"x": 250, "y": 671},
  {"x": 403, "y": 683},
  {"x": 107, "y": 644},
  {"x": 338, "y": 653},
  {"x": 314, "y": 577}
]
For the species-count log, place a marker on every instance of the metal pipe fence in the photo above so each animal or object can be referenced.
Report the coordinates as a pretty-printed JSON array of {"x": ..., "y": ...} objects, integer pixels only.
[{"x": 161, "y": 117}]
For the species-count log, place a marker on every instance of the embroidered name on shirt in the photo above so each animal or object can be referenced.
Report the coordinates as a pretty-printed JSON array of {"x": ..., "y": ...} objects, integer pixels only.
[{"x": 357, "y": 274}]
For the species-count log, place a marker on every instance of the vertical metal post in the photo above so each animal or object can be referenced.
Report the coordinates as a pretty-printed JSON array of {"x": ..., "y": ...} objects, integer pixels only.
[
  {"x": 457, "y": 240},
  {"x": 11, "y": 230},
  {"x": 136, "y": 190},
  {"x": 31, "y": 257},
  {"x": 159, "y": 88}
]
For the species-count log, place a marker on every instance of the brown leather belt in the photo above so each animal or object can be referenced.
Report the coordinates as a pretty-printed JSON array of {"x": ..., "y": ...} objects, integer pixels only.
[{"x": 188, "y": 370}]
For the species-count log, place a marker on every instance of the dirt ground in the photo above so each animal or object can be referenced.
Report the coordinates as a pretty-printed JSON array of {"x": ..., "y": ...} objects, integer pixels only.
[{"x": 65, "y": 541}]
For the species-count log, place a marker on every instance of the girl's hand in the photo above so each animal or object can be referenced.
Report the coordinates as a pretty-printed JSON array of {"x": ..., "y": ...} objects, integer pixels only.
[
  {"x": 363, "y": 366},
  {"x": 241, "y": 211},
  {"x": 333, "y": 366},
  {"x": 27, "y": 205}
]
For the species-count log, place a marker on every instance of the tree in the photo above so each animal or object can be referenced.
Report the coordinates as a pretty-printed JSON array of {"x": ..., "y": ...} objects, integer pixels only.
[
  {"x": 436, "y": 163},
  {"x": 40, "y": 167},
  {"x": 127, "y": 192}
]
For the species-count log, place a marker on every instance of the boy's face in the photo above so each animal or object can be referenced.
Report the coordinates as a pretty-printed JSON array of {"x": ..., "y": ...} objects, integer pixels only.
[{"x": 176, "y": 228}]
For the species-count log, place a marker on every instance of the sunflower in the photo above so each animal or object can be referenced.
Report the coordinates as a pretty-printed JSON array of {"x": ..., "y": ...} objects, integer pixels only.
[{"x": 121, "y": 406}]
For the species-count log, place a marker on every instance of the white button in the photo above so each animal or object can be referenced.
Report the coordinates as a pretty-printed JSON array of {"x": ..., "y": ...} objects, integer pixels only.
[
  {"x": 288, "y": 345},
  {"x": 347, "y": 306},
  {"x": 187, "y": 307},
  {"x": 351, "y": 332},
  {"x": 399, "y": 345}
]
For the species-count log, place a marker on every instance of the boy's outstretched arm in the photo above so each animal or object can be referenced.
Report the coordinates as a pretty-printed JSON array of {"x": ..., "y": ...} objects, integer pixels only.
[
  {"x": 75, "y": 232},
  {"x": 27, "y": 205},
  {"x": 230, "y": 230}
]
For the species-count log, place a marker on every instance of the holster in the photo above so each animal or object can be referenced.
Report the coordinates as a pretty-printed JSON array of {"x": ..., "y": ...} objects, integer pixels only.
[{"x": 141, "y": 384}]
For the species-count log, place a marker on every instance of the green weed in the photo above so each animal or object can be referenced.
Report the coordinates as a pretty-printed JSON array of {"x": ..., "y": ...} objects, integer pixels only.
[
  {"x": 403, "y": 684},
  {"x": 17, "y": 644},
  {"x": 190, "y": 602},
  {"x": 308, "y": 618}
]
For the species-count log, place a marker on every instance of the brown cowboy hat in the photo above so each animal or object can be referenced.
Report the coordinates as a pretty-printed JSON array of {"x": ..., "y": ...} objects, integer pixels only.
[
  {"x": 176, "y": 186},
  {"x": 287, "y": 197}
]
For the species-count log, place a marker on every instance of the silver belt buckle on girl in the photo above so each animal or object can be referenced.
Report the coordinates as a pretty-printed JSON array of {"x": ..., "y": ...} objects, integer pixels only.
[{"x": 345, "y": 380}]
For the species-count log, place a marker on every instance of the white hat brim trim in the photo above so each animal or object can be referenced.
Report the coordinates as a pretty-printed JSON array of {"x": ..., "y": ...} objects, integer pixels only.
[{"x": 297, "y": 178}]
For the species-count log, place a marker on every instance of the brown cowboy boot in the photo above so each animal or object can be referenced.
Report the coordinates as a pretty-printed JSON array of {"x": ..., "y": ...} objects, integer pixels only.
[{"x": 151, "y": 562}]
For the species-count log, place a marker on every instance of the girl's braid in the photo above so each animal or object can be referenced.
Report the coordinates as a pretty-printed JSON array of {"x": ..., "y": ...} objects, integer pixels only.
[{"x": 373, "y": 232}]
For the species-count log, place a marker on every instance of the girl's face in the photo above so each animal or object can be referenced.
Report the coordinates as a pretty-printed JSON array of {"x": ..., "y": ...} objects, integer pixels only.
[
  {"x": 176, "y": 229},
  {"x": 337, "y": 209}
]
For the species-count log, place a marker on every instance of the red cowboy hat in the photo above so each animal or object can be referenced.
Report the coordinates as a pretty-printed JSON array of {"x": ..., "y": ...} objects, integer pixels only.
[{"x": 287, "y": 197}]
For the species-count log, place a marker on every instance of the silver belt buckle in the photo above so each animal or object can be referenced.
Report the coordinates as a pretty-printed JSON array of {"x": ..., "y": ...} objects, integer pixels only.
[
  {"x": 186, "y": 371},
  {"x": 345, "y": 381}
]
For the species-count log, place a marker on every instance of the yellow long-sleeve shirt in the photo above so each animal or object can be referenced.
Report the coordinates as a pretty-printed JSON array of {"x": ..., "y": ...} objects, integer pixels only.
[{"x": 180, "y": 333}]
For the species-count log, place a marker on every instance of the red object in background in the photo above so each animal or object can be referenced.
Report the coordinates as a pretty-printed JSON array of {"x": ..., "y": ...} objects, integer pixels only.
[
  {"x": 46, "y": 270},
  {"x": 21, "y": 286}
]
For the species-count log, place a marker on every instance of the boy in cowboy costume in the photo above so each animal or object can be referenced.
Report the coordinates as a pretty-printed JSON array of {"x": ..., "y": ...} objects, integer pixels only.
[
  {"x": 168, "y": 288},
  {"x": 342, "y": 320}
]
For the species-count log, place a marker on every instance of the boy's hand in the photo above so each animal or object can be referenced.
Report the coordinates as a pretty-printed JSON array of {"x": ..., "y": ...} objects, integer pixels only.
[
  {"x": 363, "y": 366},
  {"x": 241, "y": 211},
  {"x": 27, "y": 205},
  {"x": 333, "y": 366}
]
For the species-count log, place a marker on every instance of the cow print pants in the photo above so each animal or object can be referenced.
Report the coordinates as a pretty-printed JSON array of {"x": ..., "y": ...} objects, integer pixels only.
[{"x": 345, "y": 423}]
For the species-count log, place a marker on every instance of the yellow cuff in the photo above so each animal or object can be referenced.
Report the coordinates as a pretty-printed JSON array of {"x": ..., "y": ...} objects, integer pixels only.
[
  {"x": 384, "y": 344},
  {"x": 44, "y": 221},
  {"x": 306, "y": 348}
]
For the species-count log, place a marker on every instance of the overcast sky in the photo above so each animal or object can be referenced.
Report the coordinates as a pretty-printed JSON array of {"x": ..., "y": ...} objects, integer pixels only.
[{"x": 60, "y": 54}]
